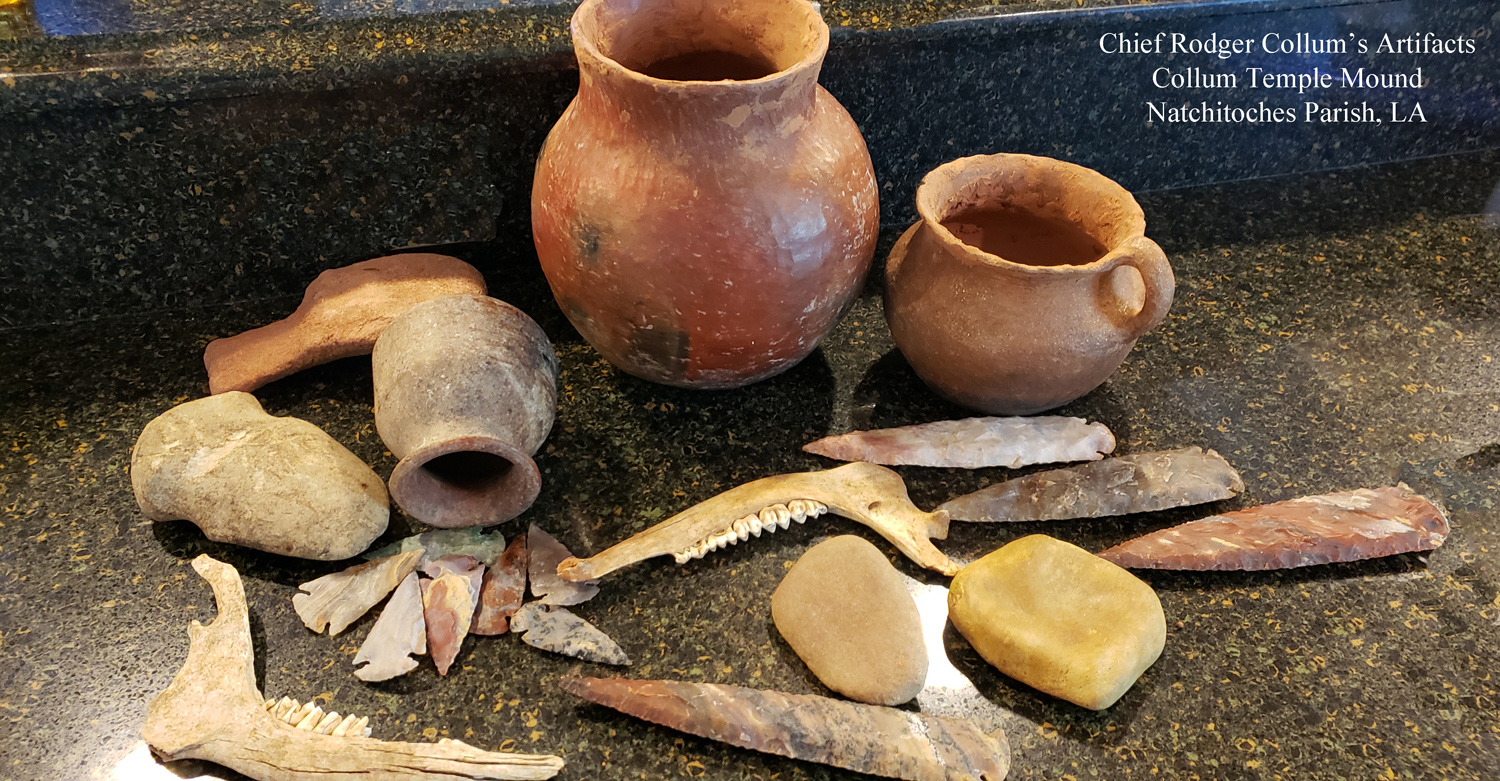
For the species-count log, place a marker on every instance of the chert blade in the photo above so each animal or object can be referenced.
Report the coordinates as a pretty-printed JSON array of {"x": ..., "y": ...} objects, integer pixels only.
[
  {"x": 400, "y": 631},
  {"x": 1138, "y": 483},
  {"x": 556, "y": 629},
  {"x": 544, "y": 553},
  {"x": 503, "y": 591},
  {"x": 1342, "y": 526},
  {"x": 470, "y": 541},
  {"x": 866, "y": 493},
  {"x": 335, "y": 601},
  {"x": 212, "y": 711},
  {"x": 973, "y": 443},
  {"x": 864, "y": 738},
  {"x": 448, "y": 607}
]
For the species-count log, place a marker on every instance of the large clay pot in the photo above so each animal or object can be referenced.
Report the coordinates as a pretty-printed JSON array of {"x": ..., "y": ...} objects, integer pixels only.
[
  {"x": 1013, "y": 338},
  {"x": 465, "y": 393},
  {"x": 703, "y": 210}
]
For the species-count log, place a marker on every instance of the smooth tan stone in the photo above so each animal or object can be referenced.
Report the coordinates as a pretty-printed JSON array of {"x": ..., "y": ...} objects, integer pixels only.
[
  {"x": 844, "y": 610},
  {"x": 1060, "y": 619}
]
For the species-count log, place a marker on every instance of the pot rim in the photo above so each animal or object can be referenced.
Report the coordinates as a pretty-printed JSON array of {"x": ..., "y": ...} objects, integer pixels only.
[
  {"x": 811, "y": 61},
  {"x": 501, "y": 500},
  {"x": 953, "y": 175}
]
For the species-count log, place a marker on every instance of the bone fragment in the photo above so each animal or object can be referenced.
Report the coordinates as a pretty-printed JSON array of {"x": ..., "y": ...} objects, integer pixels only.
[
  {"x": 400, "y": 631},
  {"x": 503, "y": 591},
  {"x": 1343, "y": 526},
  {"x": 862, "y": 492},
  {"x": 864, "y": 738},
  {"x": 212, "y": 711},
  {"x": 448, "y": 602},
  {"x": 434, "y": 545},
  {"x": 544, "y": 554},
  {"x": 973, "y": 443},
  {"x": 335, "y": 601},
  {"x": 1143, "y": 482},
  {"x": 556, "y": 629}
]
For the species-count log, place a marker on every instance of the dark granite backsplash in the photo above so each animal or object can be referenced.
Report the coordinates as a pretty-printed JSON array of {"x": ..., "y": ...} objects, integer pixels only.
[{"x": 183, "y": 169}]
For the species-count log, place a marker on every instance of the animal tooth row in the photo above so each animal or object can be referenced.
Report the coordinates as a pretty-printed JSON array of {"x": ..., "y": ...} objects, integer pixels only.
[
  {"x": 767, "y": 520},
  {"x": 313, "y": 718}
]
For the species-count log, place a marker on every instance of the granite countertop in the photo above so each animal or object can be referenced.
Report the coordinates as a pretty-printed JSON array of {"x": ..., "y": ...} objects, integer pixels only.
[
  {"x": 1330, "y": 331},
  {"x": 113, "y": 52}
]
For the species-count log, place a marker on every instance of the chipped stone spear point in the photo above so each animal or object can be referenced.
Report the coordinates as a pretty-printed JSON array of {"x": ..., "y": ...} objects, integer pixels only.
[
  {"x": 212, "y": 711},
  {"x": 974, "y": 443},
  {"x": 872, "y": 495},
  {"x": 1142, "y": 482},
  {"x": 1342, "y": 526},
  {"x": 865, "y": 738}
]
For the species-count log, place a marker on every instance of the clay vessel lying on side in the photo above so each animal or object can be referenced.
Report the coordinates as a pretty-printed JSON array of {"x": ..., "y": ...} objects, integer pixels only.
[
  {"x": 245, "y": 477},
  {"x": 341, "y": 315},
  {"x": 1013, "y": 338},
  {"x": 703, "y": 210},
  {"x": 465, "y": 392}
]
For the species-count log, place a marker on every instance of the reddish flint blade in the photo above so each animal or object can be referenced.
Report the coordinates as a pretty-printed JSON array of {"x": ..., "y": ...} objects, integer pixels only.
[
  {"x": 1343, "y": 526},
  {"x": 503, "y": 590},
  {"x": 1143, "y": 482},
  {"x": 864, "y": 738}
]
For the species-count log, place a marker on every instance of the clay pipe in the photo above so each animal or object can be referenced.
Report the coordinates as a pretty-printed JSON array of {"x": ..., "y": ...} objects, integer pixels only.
[{"x": 342, "y": 313}]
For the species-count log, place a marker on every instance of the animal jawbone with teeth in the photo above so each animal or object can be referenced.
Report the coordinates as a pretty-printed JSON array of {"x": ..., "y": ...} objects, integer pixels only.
[
  {"x": 213, "y": 711},
  {"x": 872, "y": 495}
]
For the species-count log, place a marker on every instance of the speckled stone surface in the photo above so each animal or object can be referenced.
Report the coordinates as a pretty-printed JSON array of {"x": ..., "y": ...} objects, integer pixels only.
[
  {"x": 229, "y": 157},
  {"x": 1330, "y": 332}
]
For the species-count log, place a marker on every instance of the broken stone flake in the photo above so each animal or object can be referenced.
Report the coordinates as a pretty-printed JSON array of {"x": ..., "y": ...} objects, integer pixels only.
[
  {"x": 471, "y": 541},
  {"x": 448, "y": 602},
  {"x": 503, "y": 591},
  {"x": 1342, "y": 526},
  {"x": 335, "y": 601},
  {"x": 864, "y": 738},
  {"x": 544, "y": 553},
  {"x": 973, "y": 443},
  {"x": 1142, "y": 482},
  {"x": 556, "y": 629},
  {"x": 400, "y": 631}
]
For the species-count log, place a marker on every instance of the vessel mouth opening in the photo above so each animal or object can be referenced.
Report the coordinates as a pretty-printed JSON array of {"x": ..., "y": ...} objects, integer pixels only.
[
  {"x": 475, "y": 481},
  {"x": 1052, "y": 189},
  {"x": 702, "y": 40}
]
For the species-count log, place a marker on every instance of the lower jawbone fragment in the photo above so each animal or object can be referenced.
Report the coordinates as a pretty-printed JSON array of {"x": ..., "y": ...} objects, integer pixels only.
[
  {"x": 212, "y": 711},
  {"x": 864, "y": 738},
  {"x": 872, "y": 495},
  {"x": 1309, "y": 530}
]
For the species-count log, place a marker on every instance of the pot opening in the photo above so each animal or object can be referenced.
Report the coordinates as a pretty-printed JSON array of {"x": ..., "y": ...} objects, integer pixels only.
[
  {"x": 468, "y": 470},
  {"x": 1031, "y": 211},
  {"x": 1023, "y": 236},
  {"x": 702, "y": 40},
  {"x": 474, "y": 481}
]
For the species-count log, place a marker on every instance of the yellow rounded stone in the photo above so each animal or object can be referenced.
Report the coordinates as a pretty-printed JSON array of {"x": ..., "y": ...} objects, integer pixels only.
[{"x": 1060, "y": 619}]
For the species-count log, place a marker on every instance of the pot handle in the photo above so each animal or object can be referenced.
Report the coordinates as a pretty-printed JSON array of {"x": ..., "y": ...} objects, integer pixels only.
[{"x": 1136, "y": 294}]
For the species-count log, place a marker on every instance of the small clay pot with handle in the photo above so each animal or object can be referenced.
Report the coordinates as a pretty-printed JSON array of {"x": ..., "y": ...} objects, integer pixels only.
[{"x": 1014, "y": 338}]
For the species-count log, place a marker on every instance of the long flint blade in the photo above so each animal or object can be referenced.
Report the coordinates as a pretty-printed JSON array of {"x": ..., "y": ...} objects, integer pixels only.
[
  {"x": 864, "y": 738},
  {"x": 1342, "y": 526},
  {"x": 1143, "y": 482}
]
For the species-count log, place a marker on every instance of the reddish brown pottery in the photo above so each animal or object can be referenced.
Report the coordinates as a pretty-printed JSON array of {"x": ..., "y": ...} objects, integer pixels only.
[
  {"x": 698, "y": 233},
  {"x": 1013, "y": 339},
  {"x": 465, "y": 393}
]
